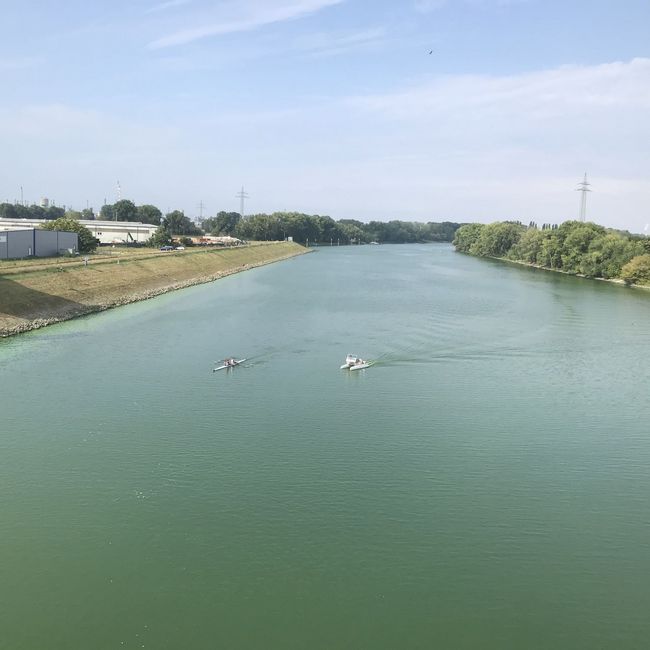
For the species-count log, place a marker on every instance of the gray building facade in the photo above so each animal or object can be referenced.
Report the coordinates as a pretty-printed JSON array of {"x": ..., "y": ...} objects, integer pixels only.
[{"x": 15, "y": 244}]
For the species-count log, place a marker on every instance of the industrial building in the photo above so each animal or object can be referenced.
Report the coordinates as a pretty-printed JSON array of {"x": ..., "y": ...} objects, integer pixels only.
[
  {"x": 107, "y": 232},
  {"x": 15, "y": 244}
]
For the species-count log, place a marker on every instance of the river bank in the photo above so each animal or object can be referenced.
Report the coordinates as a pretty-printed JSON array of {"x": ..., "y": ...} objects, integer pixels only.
[
  {"x": 582, "y": 249},
  {"x": 617, "y": 281},
  {"x": 36, "y": 297}
]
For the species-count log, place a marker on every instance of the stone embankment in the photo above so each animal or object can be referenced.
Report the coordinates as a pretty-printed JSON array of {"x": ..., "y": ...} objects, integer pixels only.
[{"x": 33, "y": 299}]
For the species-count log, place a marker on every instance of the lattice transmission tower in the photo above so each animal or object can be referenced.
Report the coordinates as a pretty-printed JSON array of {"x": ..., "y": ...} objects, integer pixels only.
[
  {"x": 242, "y": 196},
  {"x": 583, "y": 188}
]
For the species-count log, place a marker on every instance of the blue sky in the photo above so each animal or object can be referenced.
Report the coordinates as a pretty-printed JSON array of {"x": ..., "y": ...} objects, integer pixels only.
[{"x": 331, "y": 106}]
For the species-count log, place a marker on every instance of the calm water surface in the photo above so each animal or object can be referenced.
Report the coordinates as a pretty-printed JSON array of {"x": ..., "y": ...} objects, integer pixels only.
[{"x": 485, "y": 485}]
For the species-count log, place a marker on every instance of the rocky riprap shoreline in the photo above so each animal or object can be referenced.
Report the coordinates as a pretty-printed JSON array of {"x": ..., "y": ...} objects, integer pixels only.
[{"x": 138, "y": 296}]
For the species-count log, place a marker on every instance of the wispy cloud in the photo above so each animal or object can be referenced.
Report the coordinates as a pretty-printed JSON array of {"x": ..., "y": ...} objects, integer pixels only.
[
  {"x": 170, "y": 4},
  {"x": 253, "y": 20},
  {"x": 563, "y": 93},
  {"x": 428, "y": 6},
  {"x": 328, "y": 44}
]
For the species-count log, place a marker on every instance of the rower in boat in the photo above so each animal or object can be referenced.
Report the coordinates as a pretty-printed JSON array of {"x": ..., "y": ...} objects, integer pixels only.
[
  {"x": 228, "y": 363},
  {"x": 352, "y": 362}
]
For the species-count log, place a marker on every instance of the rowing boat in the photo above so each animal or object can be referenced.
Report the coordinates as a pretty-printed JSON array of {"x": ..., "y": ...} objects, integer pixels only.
[
  {"x": 230, "y": 363},
  {"x": 353, "y": 362}
]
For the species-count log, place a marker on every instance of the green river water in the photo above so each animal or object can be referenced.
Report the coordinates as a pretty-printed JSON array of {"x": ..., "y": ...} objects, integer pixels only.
[{"x": 486, "y": 485}]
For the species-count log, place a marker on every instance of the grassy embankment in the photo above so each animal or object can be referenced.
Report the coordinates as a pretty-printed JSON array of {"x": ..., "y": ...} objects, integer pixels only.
[{"x": 35, "y": 293}]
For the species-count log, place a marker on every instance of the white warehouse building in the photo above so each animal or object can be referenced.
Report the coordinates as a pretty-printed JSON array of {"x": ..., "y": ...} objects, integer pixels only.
[{"x": 108, "y": 232}]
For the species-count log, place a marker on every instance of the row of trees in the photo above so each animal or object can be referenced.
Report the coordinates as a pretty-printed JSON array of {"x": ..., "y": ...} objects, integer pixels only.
[
  {"x": 17, "y": 211},
  {"x": 305, "y": 228},
  {"x": 126, "y": 210},
  {"x": 123, "y": 210},
  {"x": 280, "y": 225},
  {"x": 172, "y": 223},
  {"x": 574, "y": 247},
  {"x": 301, "y": 227},
  {"x": 323, "y": 229}
]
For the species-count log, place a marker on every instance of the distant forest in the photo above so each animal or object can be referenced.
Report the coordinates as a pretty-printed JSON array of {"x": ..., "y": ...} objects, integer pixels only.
[
  {"x": 573, "y": 247},
  {"x": 303, "y": 228},
  {"x": 320, "y": 229}
]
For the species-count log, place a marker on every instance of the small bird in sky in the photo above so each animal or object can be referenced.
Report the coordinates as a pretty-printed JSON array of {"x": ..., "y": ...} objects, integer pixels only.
[{"x": 430, "y": 51}]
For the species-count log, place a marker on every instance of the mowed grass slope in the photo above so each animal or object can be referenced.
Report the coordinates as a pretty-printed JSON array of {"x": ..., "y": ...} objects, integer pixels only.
[{"x": 35, "y": 291}]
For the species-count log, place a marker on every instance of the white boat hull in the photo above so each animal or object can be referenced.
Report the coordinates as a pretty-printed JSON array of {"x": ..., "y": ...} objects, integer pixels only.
[
  {"x": 355, "y": 363},
  {"x": 225, "y": 367}
]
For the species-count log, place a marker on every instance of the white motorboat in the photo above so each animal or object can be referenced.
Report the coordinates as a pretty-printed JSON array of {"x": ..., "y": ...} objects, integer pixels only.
[
  {"x": 229, "y": 363},
  {"x": 352, "y": 362}
]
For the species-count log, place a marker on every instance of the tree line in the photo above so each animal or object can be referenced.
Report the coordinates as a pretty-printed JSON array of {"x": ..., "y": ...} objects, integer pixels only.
[
  {"x": 577, "y": 247},
  {"x": 302, "y": 228},
  {"x": 318, "y": 229},
  {"x": 18, "y": 211}
]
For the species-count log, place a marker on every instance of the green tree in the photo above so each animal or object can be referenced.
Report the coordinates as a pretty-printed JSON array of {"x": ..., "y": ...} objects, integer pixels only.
[
  {"x": 637, "y": 270},
  {"x": 54, "y": 212},
  {"x": 8, "y": 211},
  {"x": 576, "y": 238},
  {"x": 467, "y": 236},
  {"x": 178, "y": 224},
  {"x": 529, "y": 246},
  {"x": 351, "y": 231},
  {"x": 162, "y": 237},
  {"x": 444, "y": 231},
  {"x": 106, "y": 213},
  {"x": 149, "y": 214},
  {"x": 265, "y": 227},
  {"x": 608, "y": 254},
  {"x": 496, "y": 239},
  {"x": 37, "y": 212},
  {"x": 225, "y": 223},
  {"x": 125, "y": 210},
  {"x": 550, "y": 252},
  {"x": 87, "y": 243}
]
